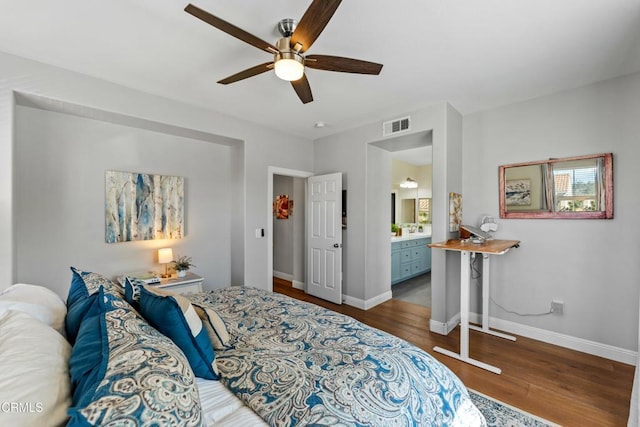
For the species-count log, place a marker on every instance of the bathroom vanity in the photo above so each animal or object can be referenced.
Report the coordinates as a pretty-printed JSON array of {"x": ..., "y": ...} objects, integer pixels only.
[{"x": 410, "y": 256}]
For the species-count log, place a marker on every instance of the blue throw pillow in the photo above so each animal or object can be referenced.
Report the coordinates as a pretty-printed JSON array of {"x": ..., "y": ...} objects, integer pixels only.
[
  {"x": 175, "y": 317},
  {"x": 90, "y": 351},
  {"x": 76, "y": 314},
  {"x": 125, "y": 372}
]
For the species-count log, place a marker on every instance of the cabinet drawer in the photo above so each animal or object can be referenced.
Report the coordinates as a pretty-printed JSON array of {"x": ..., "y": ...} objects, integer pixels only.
[
  {"x": 187, "y": 288},
  {"x": 413, "y": 243},
  {"x": 417, "y": 253},
  {"x": 416, "y": 267},
  {"x": 405, "y": 270},
  {"x": 405, "y": 255}
]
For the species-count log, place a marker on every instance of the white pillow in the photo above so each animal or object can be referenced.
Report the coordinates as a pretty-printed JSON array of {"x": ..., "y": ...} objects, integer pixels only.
[
  {"x": 38, "y": 301},
  {"x": 34, "y": 373}
]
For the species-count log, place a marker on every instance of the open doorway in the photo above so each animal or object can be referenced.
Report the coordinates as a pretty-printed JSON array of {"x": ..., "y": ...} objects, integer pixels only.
[
  {"x": 286, "y": 230},
  {"x": 312, "y": 245},
  {"x": 410, "y": 202},
  {"x": 411, "y": 184}
]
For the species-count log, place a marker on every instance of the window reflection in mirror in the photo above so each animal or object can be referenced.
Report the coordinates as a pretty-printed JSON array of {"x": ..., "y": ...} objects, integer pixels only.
[
  {"x": 575, "y": 187},
  {"x": 424, "y": 211},
  {"x": 578, "y": 185}
]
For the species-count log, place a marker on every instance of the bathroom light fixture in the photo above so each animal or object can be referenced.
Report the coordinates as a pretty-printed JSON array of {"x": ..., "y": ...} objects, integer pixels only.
[
  {"x": 409, "y": 183},
  {"x": 165, "y": 256}
]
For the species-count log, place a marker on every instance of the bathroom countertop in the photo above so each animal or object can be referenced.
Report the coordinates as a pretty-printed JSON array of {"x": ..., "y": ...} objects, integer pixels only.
[{"x": 411, "y": 236}]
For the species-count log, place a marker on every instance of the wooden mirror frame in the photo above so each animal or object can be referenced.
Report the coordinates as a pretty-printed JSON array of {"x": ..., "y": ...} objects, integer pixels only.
[{"x": 607, "y": 213}]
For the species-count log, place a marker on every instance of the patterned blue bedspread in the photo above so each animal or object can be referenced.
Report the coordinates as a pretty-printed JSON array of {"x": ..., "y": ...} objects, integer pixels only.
[{"x": 296, "y": 363}]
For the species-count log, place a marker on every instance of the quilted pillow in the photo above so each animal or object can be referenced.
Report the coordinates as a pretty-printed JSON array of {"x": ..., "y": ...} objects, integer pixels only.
[
  {"x": 130, "y": 374},
  {"x": 215, "y": 327},
  {"x": 175, "y": 317}
]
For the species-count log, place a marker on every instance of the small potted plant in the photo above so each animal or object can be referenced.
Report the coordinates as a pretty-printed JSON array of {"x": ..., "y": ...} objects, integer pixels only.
[{"x": 182, "y": 265}]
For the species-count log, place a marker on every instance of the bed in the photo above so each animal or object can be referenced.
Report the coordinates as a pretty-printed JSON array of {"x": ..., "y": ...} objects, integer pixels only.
[{"x": 237, "y": 356}]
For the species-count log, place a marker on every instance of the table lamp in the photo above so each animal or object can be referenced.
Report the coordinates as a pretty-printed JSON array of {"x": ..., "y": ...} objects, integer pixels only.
[{"x": 165, "y": 256}]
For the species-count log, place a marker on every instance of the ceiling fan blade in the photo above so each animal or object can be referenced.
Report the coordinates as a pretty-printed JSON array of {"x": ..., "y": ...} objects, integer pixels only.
[
  {"x": 303, "y": 89},
  {"x": 343, "y": 65},
  {"x": 230, "y": 29},
  {"x": 313, "y": 22},
  {"x": 249, "y": 72}
]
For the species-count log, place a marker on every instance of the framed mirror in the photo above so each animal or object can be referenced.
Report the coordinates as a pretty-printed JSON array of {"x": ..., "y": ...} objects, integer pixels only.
[{"x": 571, "y": 188}]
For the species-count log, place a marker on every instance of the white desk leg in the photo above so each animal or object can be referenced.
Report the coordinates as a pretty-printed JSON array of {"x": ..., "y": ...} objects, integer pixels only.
[
  {"x": 465, "y": 283},
  {"x": 486, "y": 275}
]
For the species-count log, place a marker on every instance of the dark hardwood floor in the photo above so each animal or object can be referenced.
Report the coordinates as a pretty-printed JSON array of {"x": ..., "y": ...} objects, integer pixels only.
[{"x": 564, "y": 386}]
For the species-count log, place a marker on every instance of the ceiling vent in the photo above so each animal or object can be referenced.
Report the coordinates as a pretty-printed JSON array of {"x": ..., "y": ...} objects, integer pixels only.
[{"x": 395, "y": 126}]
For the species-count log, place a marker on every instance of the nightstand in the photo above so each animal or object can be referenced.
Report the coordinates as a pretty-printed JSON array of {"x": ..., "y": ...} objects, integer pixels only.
[{"x": 189, "y": 284}]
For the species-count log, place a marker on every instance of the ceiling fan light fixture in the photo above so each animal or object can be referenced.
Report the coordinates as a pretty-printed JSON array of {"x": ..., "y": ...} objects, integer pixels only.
[
  {"x": 289, "y": 69},
  {"x": 288, "y": 64}
]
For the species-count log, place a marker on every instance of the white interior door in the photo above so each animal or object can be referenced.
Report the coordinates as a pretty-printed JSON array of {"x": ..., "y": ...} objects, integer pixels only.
[{"x": 324, "y": 237}]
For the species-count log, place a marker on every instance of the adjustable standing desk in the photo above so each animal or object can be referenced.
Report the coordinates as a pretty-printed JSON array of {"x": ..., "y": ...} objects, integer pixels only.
[{"x": 468, "y": 250}]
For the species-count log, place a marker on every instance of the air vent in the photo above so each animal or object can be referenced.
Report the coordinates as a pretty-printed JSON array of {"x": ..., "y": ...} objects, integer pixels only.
[{"x": 395, "y": 126}]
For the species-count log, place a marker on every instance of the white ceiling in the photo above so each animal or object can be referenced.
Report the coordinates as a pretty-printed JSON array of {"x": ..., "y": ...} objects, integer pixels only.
[{"x": 473, "y": 54}]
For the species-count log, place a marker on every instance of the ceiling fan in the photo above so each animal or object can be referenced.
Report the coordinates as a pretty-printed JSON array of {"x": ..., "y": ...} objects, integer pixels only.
[{"x": 288, "y": 53}]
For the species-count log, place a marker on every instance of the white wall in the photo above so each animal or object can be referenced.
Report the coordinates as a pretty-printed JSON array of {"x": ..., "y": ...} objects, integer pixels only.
[
  {"x": 263, "y": 147},
  {"x": 60, "y": 164},
  {"x": 378, "y": 224},
  {"x": 592, "y": 265},
  {"x": 299, "y": 195},
  {"x": 283, "y": 231}
]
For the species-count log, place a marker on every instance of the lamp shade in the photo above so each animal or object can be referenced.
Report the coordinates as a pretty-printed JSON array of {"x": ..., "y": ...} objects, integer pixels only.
[{"x": 165, "y": 255}]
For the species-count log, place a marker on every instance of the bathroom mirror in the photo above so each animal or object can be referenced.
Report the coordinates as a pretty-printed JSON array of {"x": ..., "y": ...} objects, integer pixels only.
[{"x": 572, "y": 188}]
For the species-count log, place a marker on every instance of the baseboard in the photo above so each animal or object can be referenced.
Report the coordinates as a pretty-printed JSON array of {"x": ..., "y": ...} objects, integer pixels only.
[
  {"x": 366, "y": 304},
  {"x": 438, "y": 327},
  {"x": 283, "y": 276},
  {"x": 298, "y": 285},
  {"x": 574, "y": 343},
  {"x": 444, "y": 328}
]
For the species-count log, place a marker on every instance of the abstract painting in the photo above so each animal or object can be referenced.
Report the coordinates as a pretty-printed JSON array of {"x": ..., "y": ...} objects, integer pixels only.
[
  {"x": 455, "y": 211},
  {"x": 140, "y": 206}
]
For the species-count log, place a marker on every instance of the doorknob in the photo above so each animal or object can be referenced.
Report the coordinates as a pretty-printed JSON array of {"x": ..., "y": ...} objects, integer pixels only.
[{"x": 337, "y": 245}]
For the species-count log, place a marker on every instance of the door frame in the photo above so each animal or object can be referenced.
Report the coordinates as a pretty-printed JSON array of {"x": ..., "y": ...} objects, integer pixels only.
[{"x": 271, "y": 171}]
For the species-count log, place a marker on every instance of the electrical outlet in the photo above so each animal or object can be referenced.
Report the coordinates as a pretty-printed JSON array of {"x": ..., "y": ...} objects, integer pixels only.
[{"x": 557, "y": 307}]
